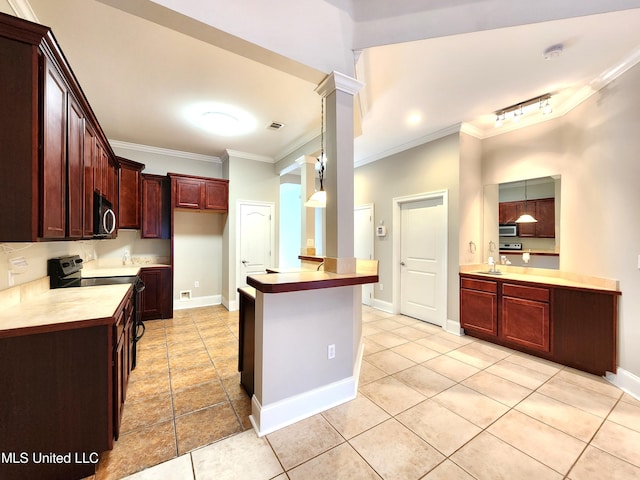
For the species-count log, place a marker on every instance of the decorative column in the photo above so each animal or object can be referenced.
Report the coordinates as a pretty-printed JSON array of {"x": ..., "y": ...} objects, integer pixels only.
[
  {"x": 308, "y": 186},
  {"x": 338, "y": 91}
]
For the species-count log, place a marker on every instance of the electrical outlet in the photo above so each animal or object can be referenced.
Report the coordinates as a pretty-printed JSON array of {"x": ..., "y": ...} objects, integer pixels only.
[
  {"x": 196, "y": 284},
  {"x": 381, "y": 287},
  {"x": 331, "y": 351}
]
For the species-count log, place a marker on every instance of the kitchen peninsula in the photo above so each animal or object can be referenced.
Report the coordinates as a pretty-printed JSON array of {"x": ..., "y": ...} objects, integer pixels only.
[{"x": 308, "y": 348}]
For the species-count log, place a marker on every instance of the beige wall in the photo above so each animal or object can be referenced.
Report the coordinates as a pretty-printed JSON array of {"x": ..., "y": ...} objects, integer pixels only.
[
  {"x": 595, "y": 149},
  {"x": 249, "y": 180},
  {"x": 6, "y": 8},
  {"x": 198, "y": 236},
  {"x": 426, "y": 168}
]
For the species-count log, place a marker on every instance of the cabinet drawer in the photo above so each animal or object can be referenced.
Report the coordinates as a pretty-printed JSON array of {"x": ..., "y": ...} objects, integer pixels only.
[
  {"x": 528, "y": 293},
  {"x": 482, "y": 285}
]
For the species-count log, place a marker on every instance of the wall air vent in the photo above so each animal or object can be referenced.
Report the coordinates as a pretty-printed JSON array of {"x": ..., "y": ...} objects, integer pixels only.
[{"x": 275, "y": 126}]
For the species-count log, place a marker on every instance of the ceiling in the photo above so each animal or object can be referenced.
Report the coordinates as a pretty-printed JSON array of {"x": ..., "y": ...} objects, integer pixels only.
[{"x": 141, "y": 63}]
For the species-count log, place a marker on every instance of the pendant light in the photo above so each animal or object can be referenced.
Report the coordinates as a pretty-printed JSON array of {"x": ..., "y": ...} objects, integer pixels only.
[
  {"x": 525, "y": 217},
  {"x": 319, "y": 197}
]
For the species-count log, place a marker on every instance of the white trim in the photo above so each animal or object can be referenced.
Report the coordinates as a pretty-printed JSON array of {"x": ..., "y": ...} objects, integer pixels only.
[
  {"x": 452, "y": 326},
  {"x": 288, "y": 411},
  {"x": 248, "y": 156},
  {"x": 382, "y": 305},
  {"x": 396, "y": 240},
  {"x": 239, "y": 204},
  {"x": 269, "y": 418},
  {"x": 625, "y": 381},
  {"x": 231, "y": 306},
  {"x": 164, "y": 151},
  {"x": 195, "y": 302},
  {"x": 23, "y": 9},
  {"x": 338, "y": 81}
]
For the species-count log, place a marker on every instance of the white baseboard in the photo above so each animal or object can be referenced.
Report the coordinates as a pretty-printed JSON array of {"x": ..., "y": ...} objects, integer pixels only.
[
  {"x": 382, "y": 305},
  {"x": 626, "y": 381},
  {"x": 269, "y": 418},
  {"x": 195, "y": 302},
  {"x": 452, "y": 326}
]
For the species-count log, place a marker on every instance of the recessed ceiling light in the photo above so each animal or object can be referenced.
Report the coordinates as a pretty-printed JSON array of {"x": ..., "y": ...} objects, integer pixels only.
[
  {"x": 414, "y": 119},
  {"x": 221, "y": 119}
]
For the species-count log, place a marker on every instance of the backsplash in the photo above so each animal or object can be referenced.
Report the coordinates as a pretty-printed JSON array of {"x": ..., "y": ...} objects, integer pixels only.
[{"x": 21, "y": 263}]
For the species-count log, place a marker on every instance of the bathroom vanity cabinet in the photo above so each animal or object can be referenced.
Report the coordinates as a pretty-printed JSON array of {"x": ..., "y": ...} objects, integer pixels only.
[{"x": 566, "y": 322}]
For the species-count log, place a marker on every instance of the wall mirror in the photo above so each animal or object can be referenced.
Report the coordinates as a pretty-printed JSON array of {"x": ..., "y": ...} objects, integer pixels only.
[{"x": 503, "y": 204}]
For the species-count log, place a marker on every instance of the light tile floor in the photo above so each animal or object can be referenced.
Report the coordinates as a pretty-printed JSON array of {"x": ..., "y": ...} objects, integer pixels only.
[{"x": 431, "y": 405}]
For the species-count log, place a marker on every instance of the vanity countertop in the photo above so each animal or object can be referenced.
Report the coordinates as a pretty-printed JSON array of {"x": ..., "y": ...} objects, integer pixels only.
[{"x": 543, "y": 277}]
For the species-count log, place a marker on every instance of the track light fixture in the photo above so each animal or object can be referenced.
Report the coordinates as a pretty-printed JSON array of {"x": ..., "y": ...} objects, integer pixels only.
[{"x": 516, "y": 111}]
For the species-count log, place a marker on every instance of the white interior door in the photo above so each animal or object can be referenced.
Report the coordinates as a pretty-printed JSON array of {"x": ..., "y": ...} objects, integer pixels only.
[
  {"x": 363, "y": 243},
  {"x": 422, "y": 246},
  {"x": 255, "y": 240}
]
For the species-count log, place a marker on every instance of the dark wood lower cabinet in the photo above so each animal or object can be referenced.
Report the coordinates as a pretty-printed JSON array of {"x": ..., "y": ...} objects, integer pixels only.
[
  {"x": 572, "y": 326},
  {"x": 247, "y": 338},
  {"x": 56, "y": 397},
  {"x": 157, "y": 297}
]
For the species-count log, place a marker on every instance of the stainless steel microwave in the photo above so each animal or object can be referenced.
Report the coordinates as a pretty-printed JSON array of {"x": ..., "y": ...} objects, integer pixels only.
[
  {"x": 508, "y": 230},
  {"x": 104, "y": 218}
]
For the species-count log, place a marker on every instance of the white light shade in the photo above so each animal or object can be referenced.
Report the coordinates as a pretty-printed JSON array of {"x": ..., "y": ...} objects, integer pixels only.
[
  {"x": 317, "y": 200},
  {"x": 526, "y": 218}
]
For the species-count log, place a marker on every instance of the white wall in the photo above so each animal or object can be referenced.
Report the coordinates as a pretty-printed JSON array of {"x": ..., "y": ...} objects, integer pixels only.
[{"x": 595, "y": 149}]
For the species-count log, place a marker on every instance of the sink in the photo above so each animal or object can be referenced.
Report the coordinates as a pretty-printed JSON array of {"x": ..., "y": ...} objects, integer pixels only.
[{"x": 489, "y": 272}]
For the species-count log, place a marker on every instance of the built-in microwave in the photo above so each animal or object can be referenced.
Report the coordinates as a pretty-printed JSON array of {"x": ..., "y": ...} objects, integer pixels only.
[
  {"x": 508, "y": 230},
  {"x": 104, "y": 218}
]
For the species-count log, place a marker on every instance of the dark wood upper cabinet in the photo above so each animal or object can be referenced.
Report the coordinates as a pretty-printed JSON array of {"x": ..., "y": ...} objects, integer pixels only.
[
  {"x": 199, "y": 193},
  {"x": 75, "y": 169},
  {"x": 46, "y": 131},
  {"x": 130, "y": 193},
  {"x": 156, "y": 206},
  {"x": 542, "y": 209},
  {"x": 54, "y": 154}
]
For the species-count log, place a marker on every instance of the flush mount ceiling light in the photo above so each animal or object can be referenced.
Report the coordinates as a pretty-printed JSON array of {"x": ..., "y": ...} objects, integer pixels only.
[
  {"x": 221, "y": 119},
  {"x": 516, "y": 111}
]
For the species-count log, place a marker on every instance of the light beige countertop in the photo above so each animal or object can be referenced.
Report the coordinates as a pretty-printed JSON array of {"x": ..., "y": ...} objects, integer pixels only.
[
  {"x": 62, "y": 309},
  {"x": 543, "y": 276},
  {"x": 288, "y": 281},
  {"x": 114, "y": 268}
]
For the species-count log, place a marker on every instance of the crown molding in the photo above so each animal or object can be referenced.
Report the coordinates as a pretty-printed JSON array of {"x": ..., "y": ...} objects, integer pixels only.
[
  {"x": 338, "y": 81},
  {"x": 23, "y": 10},
  {"x": 247, "y": 156},
  {"x": 164, "y": 151}
]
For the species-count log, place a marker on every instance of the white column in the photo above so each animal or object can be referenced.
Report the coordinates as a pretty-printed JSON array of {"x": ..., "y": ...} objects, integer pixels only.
[{"x": 338, "y": 91}]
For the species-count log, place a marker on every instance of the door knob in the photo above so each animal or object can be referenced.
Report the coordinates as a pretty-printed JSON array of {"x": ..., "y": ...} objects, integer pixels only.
[
  {"x": 245, "y": 261},
  {"x": 402, "y": 263}
]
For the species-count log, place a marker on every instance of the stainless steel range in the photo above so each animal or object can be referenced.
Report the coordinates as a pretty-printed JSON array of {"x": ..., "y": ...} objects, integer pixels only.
[{"x": 65, "y": 272}]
